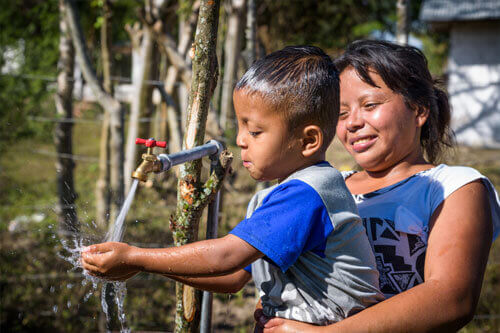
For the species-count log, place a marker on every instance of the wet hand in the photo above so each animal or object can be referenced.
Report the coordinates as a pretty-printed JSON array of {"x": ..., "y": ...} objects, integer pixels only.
[{"x": 109, "y": 261}]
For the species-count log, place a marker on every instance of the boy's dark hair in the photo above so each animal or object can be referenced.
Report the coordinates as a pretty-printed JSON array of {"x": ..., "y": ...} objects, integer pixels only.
[
  {"x": 404, "y": 70},
  {"x": 301, "y": 83}
]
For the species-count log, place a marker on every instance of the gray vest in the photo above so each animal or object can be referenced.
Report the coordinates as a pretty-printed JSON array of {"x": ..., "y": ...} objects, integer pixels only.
[{"x": 315, "y": 289}]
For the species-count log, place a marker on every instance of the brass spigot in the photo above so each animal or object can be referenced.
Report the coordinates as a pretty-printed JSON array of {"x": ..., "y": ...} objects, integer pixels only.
[{"x": 150, "y": 162}]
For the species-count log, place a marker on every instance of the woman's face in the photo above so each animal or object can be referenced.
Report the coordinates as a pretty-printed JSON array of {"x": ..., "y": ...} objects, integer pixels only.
[{"x": 375, "y": 125}]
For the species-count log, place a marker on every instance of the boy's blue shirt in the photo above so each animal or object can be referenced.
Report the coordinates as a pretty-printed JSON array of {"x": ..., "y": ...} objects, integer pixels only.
[
  {"x": 318, "y": 265},
  {"x": 291, "y": 220}
]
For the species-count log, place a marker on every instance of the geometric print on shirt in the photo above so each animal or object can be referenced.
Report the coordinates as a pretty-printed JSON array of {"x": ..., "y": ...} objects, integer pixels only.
[{"x": 398, "y": 271}]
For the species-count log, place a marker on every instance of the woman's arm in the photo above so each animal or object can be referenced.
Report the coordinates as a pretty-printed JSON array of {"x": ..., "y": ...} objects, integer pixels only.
[
  {"x": 212, "y": 257},
  {"x": 457, "y": 253}
]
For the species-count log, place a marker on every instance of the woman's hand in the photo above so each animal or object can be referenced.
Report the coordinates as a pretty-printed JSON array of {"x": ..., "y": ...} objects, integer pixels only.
[
  {"x": 109, "y": 261},
  {"x": 279, "y": 325}
]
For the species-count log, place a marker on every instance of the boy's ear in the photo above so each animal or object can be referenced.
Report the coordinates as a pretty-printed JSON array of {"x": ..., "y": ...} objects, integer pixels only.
[{"x": 312, "y": 140}]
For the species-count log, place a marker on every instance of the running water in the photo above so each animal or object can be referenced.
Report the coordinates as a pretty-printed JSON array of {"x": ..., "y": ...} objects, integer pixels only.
[
  {"x": 119, "y": 288},
  {"x": 116, "y": 234},
  {"x": 75, "y": 246}
]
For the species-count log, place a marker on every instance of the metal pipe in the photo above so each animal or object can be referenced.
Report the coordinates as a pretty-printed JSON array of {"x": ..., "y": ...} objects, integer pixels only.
[
  {"x": 212, "y": 147},
  {"x": 212, "y": 223}
]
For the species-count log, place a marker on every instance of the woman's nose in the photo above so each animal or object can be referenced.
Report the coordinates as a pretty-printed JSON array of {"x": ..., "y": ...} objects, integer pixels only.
[{"x": 355, "y": 120}]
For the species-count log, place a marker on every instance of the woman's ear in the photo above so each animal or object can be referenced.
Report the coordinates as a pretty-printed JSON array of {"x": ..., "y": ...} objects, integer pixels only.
[
  {"x": 312, "y": 140},
  {"x": 421, "y": 114}
]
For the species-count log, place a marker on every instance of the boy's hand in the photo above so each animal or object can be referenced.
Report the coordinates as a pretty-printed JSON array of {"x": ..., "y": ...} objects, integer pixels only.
[{"x": 109, "y": 261}]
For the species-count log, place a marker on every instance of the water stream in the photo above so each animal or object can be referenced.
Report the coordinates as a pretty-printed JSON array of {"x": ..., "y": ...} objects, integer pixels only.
[
  {"x": 118, "y": 289},
  {"x": 115, "y": 234}
]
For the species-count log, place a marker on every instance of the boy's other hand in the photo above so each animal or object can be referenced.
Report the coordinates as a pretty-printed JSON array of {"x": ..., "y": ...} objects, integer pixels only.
[{"x": 109, "y": 261}]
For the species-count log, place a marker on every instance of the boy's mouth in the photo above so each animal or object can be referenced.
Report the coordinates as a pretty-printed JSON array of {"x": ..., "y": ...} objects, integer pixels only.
[{"x": 246, "y": 164}]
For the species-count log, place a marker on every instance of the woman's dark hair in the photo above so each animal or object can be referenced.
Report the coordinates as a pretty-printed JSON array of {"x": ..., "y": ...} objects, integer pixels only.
[{"x": 404, "y": 70}]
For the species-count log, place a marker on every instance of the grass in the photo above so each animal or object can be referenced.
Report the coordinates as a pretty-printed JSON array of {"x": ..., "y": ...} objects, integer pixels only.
[{"x": 37, "y": 292}]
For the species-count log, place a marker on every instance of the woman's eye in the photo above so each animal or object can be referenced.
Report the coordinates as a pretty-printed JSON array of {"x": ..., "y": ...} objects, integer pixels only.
[
  {"x": 343, "y": 114},
  {"x": 370, "y": 106}
]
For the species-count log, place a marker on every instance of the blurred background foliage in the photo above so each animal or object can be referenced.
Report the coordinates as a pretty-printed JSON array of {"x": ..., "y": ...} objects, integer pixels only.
[{"x": 36, "y": 290}]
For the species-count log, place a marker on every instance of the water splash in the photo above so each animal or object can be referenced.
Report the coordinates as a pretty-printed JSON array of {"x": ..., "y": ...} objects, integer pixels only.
[{"x": 74, "y": 247}]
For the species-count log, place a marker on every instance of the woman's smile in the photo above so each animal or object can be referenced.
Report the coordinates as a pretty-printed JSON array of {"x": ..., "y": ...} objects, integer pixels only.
[{"x": 362, "y": 143}]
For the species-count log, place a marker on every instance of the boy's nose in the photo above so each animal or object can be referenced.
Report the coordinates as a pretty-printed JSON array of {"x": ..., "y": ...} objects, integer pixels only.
[{"x": 240, "y": 140}]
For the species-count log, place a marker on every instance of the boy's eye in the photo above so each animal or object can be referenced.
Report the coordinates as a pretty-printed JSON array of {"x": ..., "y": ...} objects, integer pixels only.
[
  {"x": 343, "y": 114},
  {"x": 253, "y": 133}
]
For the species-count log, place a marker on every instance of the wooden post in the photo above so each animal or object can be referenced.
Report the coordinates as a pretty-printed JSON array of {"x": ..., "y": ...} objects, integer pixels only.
[{"x": 191, "y": 194}]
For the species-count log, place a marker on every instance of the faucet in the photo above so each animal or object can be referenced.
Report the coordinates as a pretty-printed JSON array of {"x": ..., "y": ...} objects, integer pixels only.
[
  {"x": 163, "y": 162},
  {"x": 150, "y": 162}
]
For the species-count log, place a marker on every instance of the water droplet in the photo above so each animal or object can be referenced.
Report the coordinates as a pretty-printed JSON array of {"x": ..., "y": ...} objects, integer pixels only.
[
  {"x": 52, "y": 289},
  {"x": 55, "y": 308}
]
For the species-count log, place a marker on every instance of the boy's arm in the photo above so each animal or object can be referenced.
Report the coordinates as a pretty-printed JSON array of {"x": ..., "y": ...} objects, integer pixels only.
[
  {"x": 231, "y": 283},
  {"x": 212, "y": 257}
]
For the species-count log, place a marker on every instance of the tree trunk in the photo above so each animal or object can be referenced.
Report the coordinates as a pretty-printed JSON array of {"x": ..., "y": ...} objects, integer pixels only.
[
  {"x": 66, "y": 212},
  {"x": 190, "y": 190},
  {"x": 142, "y": 58},
  {"x": 221, "y": 37},
  {"x": 186, "y": 29},
  {"x": 103, "y": 194},
  {"x": 403, "y": 21},
  {"x": 178, "y": 68},
  {"x": 107, "y": 102},
  {"x": 232, "y": 53},
  {"x": 251, "y": 34}
]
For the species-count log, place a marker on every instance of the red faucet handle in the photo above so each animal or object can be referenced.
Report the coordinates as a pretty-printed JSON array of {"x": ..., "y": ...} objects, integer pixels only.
[{"x": 150, "y": 143}]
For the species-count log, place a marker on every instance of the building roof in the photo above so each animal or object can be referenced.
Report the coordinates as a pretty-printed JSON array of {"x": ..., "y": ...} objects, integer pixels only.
[{"x": 459, "y": 10}]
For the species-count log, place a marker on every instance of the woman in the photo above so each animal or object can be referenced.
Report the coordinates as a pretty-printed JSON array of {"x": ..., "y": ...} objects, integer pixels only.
[{"x": 431, "y": 226}]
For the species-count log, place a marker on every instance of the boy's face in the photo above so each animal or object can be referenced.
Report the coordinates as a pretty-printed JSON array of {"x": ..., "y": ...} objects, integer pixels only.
[{"x": 268, "y": 150}]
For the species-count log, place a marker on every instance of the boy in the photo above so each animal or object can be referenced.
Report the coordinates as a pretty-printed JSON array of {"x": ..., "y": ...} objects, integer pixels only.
[{"x": 309, "y": 254}]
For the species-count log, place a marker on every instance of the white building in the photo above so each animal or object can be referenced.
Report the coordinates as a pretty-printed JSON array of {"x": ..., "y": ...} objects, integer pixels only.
[{"x": 473, "y": 66}]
